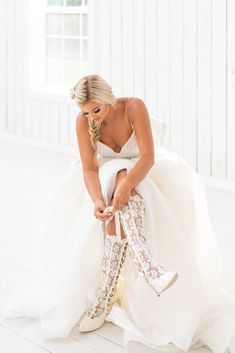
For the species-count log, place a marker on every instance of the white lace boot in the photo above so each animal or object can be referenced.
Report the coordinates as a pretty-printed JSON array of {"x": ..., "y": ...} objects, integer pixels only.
[
  {"x": 132, "y": 220},
  {"x": 113, "y": 259}
]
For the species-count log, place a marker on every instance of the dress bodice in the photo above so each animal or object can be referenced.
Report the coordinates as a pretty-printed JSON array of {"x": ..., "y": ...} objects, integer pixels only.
[{"x": 129, "y": 150}]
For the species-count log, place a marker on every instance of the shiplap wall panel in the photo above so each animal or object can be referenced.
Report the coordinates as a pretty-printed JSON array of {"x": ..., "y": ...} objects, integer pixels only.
[
  {"x": 35, "y": 117},
  {"x": 64, "y": 123},
  {"x": 20, "y": 12},
  {"x": 189, "y": 82},
  {"x": 45, "y": 121},
  {"x": 73, "y": 112},
  {"x": 19, "y": 107},
  {"x": 11, "y": 65},
  {"x": 19, "y": 63},
  {"x": 2, "y": 67},
  {"x": 105, "y": 39},
  {"x": 163, "y": 63},
  {"x": 3, "y": 81},
  {"x": 97, "y": 34},
  {"x": 128, "y": 47},
  {"x": 28, "y": 118},
  {"x": 176, "y": 76},
  {"x": 55, "y": 125},
  {"x": 171, "y": 53},
  {"x": 218, "y": 84},
  {"x": 231, "y": 92},
  {"x": 151, "y": 56},
  {"x": 93, "y": 45},
  {"x": 204, "y": 87},
  {"x": 116, "y": 46},
  {"x": 139, "y": 48}
]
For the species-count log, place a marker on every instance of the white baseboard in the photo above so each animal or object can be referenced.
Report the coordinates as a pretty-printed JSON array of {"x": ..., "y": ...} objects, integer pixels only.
[{"x": 211, "y": 182}]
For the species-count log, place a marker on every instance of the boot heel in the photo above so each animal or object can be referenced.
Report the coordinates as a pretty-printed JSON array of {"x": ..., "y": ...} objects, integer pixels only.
[{"x": 159, "y": 285}]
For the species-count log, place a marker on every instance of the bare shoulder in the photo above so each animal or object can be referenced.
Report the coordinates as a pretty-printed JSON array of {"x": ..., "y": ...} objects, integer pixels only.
[
  {"x": 139, "y": 117},
  {"x": 82, "y": 127},
  {"x": 135, "y": 102},
  {"x": 137, "y": 110},
  {"x": 81, "y": 130},
  {"x": 80, "y": 121}
]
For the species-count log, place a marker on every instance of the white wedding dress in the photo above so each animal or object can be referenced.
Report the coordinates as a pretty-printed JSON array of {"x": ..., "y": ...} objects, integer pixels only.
[{"x": 195, "y": 311}]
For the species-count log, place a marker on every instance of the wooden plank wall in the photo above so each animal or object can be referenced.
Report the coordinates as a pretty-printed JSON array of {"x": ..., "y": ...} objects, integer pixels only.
[
  {"x": 3, "y": 81},
  {"x": 177, "y": 55}
]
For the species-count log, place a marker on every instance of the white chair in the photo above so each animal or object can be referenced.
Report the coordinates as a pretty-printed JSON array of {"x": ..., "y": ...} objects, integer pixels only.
[{"x": 158, "y": 129}]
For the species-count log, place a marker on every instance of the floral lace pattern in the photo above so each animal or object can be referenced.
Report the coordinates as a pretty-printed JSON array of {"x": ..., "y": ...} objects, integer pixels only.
[
  {"x": 132, "y": 220},
  {"x": 114, "y": 256}
]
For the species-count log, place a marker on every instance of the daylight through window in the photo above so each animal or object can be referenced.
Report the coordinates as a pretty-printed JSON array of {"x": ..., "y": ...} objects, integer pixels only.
[{"x": 67, "y": 41}]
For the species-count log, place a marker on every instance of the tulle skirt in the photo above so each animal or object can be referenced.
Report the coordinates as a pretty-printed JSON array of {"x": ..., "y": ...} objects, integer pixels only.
[{"x": 195, "y": 311}]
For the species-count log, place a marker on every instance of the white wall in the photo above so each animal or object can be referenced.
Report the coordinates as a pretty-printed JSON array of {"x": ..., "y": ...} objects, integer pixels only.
[{"x": 179, "y": 56}]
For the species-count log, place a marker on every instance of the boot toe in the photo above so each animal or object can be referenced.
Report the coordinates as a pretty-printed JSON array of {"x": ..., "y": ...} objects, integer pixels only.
[{"x": 87, "y": 324}]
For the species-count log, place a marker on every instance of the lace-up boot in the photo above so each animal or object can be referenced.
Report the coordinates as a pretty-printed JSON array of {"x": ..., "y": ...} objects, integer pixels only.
[
  {"x": 113, "y": 259},
  {"x": 132, "y": 220}
]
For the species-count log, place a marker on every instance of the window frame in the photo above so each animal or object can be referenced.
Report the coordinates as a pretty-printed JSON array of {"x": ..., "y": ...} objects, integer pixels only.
[{"x": 37, "y": 56}]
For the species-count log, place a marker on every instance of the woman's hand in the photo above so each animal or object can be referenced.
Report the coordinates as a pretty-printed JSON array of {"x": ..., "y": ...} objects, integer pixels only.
[
  {"x": 99, "y": 207},
  {"x": 121, "y": 195}
]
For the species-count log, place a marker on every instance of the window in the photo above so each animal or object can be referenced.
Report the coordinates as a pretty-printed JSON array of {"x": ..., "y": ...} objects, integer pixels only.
[{"x": 66, "y": 41}]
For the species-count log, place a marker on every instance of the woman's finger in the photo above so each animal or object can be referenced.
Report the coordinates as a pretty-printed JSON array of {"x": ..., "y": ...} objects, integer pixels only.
[{"x": 104, "y": 216}]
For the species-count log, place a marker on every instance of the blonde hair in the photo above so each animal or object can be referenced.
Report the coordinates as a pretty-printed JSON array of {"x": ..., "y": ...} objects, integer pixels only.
[{"x": 93, "y": 88}]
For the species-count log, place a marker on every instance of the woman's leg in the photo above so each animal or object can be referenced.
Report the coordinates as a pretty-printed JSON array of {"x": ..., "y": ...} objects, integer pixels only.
[
  {"x": 132, "y": 216},
  {"x": 110, "y": 228},
  {"x": 113, "y": 259}
]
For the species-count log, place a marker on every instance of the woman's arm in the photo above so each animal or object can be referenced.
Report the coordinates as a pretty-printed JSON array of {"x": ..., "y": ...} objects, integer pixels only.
[
  {"x": 139, "y": 118},
  {"x": 138, "y": 172},
  {"x": 92, "y": 182},
  {"x": 90, "y": 170}
]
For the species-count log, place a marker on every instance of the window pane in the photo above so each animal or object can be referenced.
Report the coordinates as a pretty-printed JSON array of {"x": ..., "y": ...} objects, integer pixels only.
[
  {"x": 54, "y": 73},
  {"x": 53, "y": 48},
  {"x": 84, "y": 50},
  {"x": 55, "y": 2},
  {"x": 72, "y": 49},
  {"x": 71, "y": 25},
  {"x": 53, "y": 24},
  {"x": 84, "y": 25},
  {"x": 72, "y": 73},
  {"x": 73, "y": 2}
]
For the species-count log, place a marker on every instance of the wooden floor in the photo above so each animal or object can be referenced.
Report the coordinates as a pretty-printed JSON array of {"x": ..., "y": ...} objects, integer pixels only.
[{"x": 26, "y": 178}]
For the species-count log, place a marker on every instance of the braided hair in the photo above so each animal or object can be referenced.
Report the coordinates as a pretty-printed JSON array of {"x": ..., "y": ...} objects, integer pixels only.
[{"x": 94, "y": 88}]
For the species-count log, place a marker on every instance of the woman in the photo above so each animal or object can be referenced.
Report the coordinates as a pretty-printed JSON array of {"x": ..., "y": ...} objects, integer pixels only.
[
  {"x": 127, "y": 222},
  {"x": 109, "y": 119}
]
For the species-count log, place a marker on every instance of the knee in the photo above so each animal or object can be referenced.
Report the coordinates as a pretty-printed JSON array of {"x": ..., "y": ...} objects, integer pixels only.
[{"x": 120, "y": 175}]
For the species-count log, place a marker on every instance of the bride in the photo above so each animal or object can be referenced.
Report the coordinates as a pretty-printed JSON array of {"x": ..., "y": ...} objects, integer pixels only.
[
  {"x": 111, "y": 120},
  {"x": 128, "y": 238}
]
